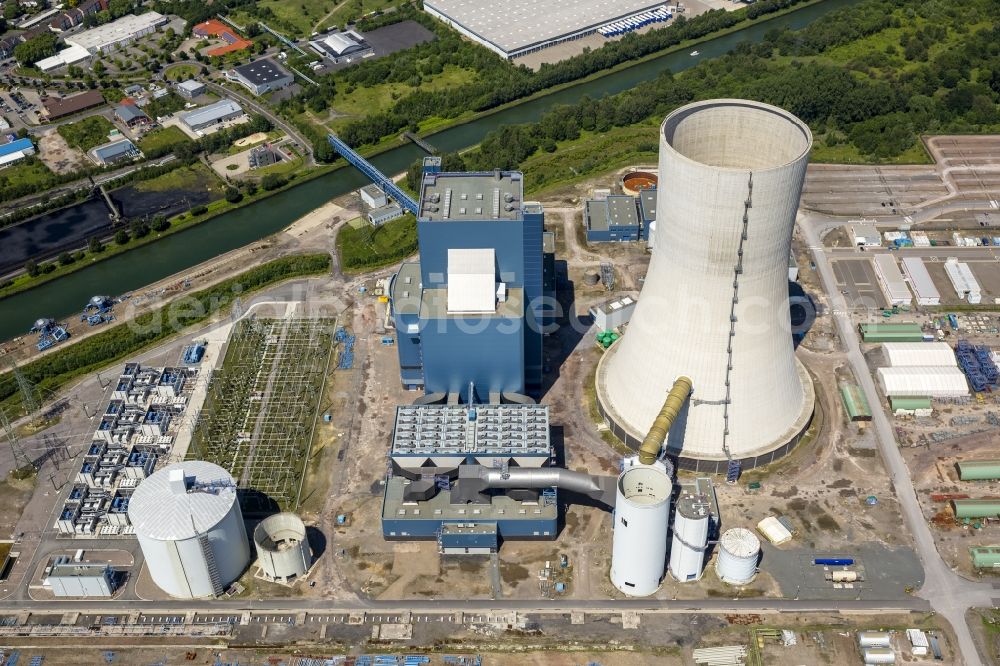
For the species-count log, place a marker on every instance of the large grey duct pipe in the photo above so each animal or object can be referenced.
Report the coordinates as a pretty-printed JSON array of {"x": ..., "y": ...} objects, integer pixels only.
[{"x": 600, "y": 488}]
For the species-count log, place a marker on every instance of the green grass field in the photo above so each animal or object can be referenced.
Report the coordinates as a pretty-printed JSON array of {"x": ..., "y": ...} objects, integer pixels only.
[
  {"x": 351, "y": 10},
  {"x": 181, "y": 72},
  {"x": 364, "y": 248},
  {"x": 87, "y": 133},
  {"x": 162, "y": 140},
  {"x": 593, "y": 152},
  {"x": 196, "y": 176},
  {"x": 297, "y": 16},
  {"x": 364, "y": 100},
  {"x": 27, "y": 172}
]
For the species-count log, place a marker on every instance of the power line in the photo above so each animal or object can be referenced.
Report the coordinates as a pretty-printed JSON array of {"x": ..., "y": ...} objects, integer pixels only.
[{"x": 20, "y": 457}]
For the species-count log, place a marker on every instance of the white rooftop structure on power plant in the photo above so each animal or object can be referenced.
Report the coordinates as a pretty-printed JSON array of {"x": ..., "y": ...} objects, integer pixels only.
[
  {"x": 865, "y": 234},
  {"x": 923, "y": 381},
  {"x": 518, "y": 27},
  {"x": 68, "y": 56},
  {"x": 471, "y": 281},
  {"x": 892, "y": 280},
  {"x": 112, "y": 35},
  {"x": 925, "y": 354},
  {"x": 921, "y": 282},
  {"x": 965, "y": 283}
]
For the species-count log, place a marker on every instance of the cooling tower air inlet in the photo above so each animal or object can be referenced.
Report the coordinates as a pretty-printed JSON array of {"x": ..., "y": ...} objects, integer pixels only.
[{"x": 714, "y": 304}]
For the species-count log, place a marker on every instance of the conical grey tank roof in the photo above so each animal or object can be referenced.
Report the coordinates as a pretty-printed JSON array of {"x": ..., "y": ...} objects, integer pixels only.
[{"x": 182, "y": 501}]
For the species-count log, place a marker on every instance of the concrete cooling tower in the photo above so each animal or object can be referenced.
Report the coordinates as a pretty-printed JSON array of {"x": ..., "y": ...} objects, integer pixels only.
[{"x": 714, "y": 306}]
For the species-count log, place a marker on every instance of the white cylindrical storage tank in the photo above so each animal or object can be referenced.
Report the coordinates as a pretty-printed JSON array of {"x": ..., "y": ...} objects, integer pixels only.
[
  {"x": 731, "y": 172},
  {"x": 874, "y": 639},
  {"x": 282, "y": 547},
  {"x": 879, "y": 656},
  {"x": 687, "y": 550},
  {"x": 642, "y": 512},
  {"x": 739, "y": 551},
  {"x": 188, "y": 522}
]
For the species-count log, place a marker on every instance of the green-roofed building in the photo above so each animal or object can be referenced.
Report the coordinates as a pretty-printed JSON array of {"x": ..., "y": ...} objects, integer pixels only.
[
  {"x": 855, "y": 402},
  {"x": 902, "y": 403},
  {"x": 976, "y": 508},
  {"x": 985, "y": 557},
  {"x": 891, "y": 332},
  {"x": 978, "y": 470}
]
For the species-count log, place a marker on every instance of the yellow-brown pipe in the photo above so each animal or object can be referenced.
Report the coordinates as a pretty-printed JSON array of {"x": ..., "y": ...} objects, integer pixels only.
[{"x": 651, "y": 445}]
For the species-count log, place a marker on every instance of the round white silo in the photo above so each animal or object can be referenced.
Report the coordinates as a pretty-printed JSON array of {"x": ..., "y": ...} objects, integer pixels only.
[
  {"x": 188, "y": 522},
  {"x": 282, "y": 547},
  {"x": 687, "y": 550},
  {"x": 739, "y": 551},
  {"x": 642, "y": 512}
]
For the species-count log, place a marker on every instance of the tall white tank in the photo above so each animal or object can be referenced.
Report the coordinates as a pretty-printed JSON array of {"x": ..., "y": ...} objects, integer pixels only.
[
  {"x": 188, "y": 522},
  {"x": 731, "y": 173},
  {"x": 687, "y": 550},
  {"x": 739, "y": 552},
  {"x": 642, "y": 512},
  {"x": 282, "y": 547}
]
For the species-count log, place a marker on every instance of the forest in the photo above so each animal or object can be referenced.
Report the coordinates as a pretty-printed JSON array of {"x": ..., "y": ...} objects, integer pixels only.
[{"x": 936, "y": 69}]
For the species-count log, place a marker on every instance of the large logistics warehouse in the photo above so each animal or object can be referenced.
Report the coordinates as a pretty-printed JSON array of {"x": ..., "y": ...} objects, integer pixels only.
[
  {"x": 518, "y": 27},
  {"x": 934, "y": 382},
  {"x": 921, "y": 282},
  {"x": 902, "y": 354},
  {"x": 892, "y": 280}
]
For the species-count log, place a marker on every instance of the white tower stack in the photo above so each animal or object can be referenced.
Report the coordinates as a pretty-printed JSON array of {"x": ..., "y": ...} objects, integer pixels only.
[
  {"x": 188, "y": 522},
  {"x": 714, "y": 306},
  {"x": 687, "y": 550},
  {"x": 642, "y": 511}
]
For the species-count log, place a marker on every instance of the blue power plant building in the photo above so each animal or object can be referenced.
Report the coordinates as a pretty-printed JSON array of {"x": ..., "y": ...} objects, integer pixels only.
[{"x": 469, "y": 313}]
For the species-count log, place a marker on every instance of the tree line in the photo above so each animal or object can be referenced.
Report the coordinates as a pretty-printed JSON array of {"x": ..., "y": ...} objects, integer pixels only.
[
  {"x": 497, "y": 81},
  {"x": 879, "y": 103}
]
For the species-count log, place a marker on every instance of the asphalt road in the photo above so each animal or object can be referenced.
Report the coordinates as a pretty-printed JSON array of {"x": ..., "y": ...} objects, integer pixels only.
[{"x": 948, "y": 594}]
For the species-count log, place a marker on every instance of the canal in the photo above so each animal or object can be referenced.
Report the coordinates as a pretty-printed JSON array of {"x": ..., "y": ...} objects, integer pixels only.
[{"x": 150, "y": 263}]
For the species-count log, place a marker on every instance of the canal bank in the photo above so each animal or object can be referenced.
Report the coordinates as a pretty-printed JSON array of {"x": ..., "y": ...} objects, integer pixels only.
[{"x": 179, "y": 252}]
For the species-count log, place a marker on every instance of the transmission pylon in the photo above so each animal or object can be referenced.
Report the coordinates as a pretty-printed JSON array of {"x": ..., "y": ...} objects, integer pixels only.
[
  {"x": 28, "y": 398},
  {"x": 20, "y": 457}
]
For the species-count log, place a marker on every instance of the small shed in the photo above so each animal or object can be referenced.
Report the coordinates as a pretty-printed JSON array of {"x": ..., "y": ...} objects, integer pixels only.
[
  {"x": 855, "y": 402},
  {"x": 985, "y": 557}
]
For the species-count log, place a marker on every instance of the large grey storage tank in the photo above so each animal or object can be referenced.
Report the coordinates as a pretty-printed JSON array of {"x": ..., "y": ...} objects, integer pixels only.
[
  {"x": 188, "y": 522},
  {"x": 282, "y": 547}
]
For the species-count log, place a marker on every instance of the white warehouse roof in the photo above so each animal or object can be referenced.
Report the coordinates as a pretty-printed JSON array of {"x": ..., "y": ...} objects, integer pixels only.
[
  {"x": 919, "y": 381},
  {"x": 182, "y": 501},
  {"x": 127, "y": 27},
  {"x": 926, "y": 354},
  {"x": 920, "y": 280},
  {"x": 892, "y": 280},
  {"x": 512, "y": 26}
]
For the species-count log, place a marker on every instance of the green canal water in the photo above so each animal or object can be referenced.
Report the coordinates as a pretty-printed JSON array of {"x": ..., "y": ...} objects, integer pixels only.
[{"x": 132, "y": 270}]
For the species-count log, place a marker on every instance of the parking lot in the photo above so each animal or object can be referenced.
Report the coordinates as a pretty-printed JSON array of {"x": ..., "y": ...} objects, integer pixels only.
[{"x": 856, "y": 279}]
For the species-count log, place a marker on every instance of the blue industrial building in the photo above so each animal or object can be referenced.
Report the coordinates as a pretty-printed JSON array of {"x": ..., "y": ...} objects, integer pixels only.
[
  {"x": 470, "y": 311},
  {"x": 619, "y": 217},
  {"x": 432, "y": 494}
]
